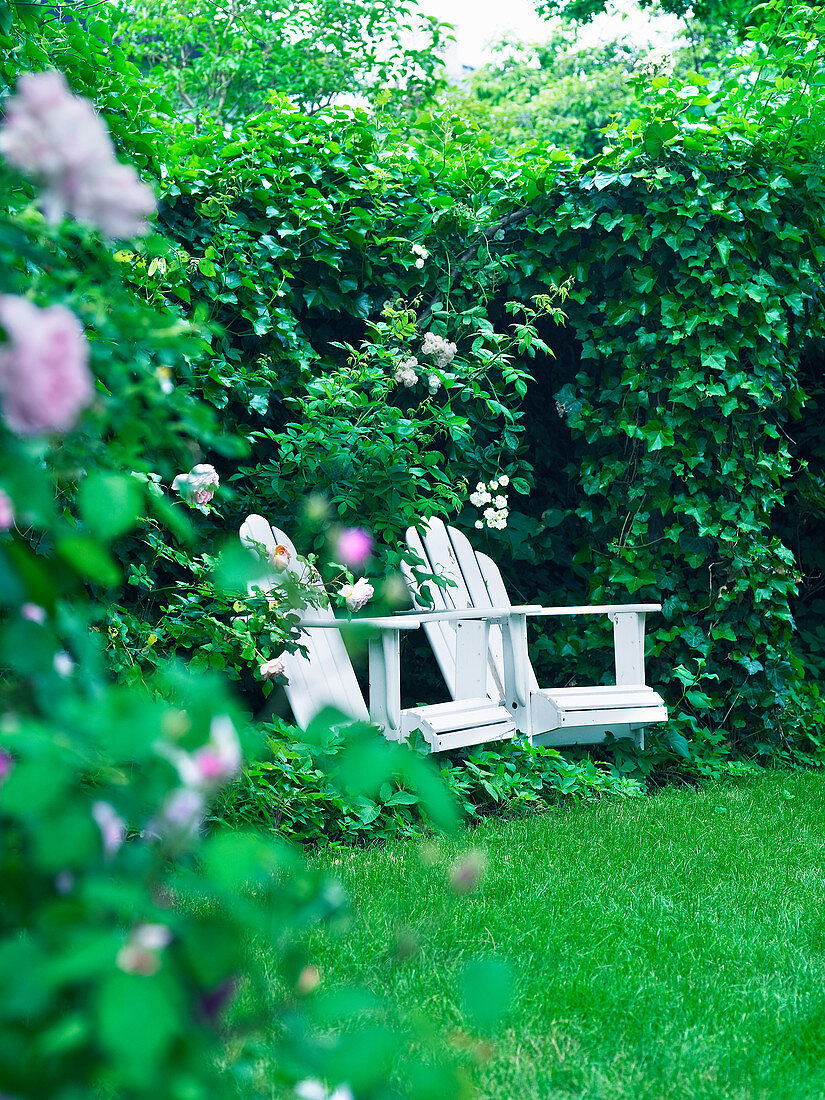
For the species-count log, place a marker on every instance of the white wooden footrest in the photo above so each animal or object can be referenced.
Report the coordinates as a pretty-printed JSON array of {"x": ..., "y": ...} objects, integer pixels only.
[
  {"x": 629, "y": 704},
  {"x": 461, "y": 722}
]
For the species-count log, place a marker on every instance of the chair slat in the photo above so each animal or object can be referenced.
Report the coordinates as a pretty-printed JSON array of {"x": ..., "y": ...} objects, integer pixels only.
[
  {"x": 325, "y": 677},
  {"x": 441, "y": 635}
]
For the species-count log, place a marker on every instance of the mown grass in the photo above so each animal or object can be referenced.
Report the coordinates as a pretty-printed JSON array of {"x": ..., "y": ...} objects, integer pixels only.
[{"x": 670, "y": 947}]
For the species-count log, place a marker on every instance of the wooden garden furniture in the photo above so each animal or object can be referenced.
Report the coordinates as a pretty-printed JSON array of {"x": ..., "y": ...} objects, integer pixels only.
[
  {"x": 549, "y": 716},
  {"x": 324, "y": 676}
]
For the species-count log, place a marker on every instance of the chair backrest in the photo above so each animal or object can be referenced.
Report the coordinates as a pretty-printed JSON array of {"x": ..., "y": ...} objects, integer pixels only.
[
  {"x": 325, "y": 676},
  {"x": 477, "y": 583}
]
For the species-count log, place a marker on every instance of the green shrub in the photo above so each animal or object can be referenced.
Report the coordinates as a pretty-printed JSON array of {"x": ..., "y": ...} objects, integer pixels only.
[{"x": 299, "y": 791}]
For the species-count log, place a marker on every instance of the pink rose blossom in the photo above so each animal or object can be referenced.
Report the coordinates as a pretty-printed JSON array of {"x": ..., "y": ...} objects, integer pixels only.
[
  {"x": 33, "y": 612},
  {"x": 5, "y": 765},
  {"x": 281, "y": 557},
  {"x": 44, "y": 372},
  {"x": 6, "y": 512},
  {"x": 273, "y": 668},
  {"x": 112, "y": 827},
  {"x": 198, "y": 486},
  {"x": 354, "y": 547},
  {"x": 59, "y": 137},
  {"x": 358, "y": 594}
]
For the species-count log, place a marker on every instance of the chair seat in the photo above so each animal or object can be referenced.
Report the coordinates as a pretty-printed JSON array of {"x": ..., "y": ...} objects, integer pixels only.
[
  {"x": 460, "y": 722},
  {"x": 629, "y": 704}
]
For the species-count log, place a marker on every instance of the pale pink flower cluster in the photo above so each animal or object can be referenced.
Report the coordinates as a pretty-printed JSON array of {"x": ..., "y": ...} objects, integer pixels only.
[
  {"x": 357, "y": 595},
  {"x": 141, "y": 954},
  {"x": 50, "y": 133},
  {"x": 44, "y": 367},
  {"x": 33, "y": 612},
  {"x": 214, "y": 763},
  {"x": 198, "y": 486},
  {"x": 354, "y": 547},
  {"x": 6, "y": 512},
  {"x": 273, "y": 668}
]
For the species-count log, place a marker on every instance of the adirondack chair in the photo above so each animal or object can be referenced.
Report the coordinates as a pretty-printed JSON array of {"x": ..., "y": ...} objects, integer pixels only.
[
  {"x": 548, "y": 716},
  {"x": 325, "y": 676}
]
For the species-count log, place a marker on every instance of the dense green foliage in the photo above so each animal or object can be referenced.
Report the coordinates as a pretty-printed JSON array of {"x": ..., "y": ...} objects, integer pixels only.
[
  {"x": 669, "y": 946},
  {"x": 552, "y": 93},
  {"x": 300, "y": 791},
  {"x": 694, "y": 248},
  {"x": 280, "y": 324},
  {"x": 228, "y": 59}
]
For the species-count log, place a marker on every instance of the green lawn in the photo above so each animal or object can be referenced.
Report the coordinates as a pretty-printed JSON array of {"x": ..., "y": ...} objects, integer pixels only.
[{"x": 670, "y": 947}]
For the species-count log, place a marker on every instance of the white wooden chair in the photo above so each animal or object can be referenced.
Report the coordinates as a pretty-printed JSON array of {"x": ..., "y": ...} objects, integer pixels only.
[
  {"x": 325, "y": 676},
  {"x": 549, "y": 716}
]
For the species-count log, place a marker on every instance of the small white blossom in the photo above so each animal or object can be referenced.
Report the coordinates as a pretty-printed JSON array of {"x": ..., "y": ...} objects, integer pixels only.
[
  {"x": 420, "y": 251},
  {"x": 500, "y": 502},
  {"x": 443, "y": 351},
  {"x": 63, "y": 664},
  {"x": 405, "y": 372},
  {"x": 112, "y": 827},
  {"x": 504, "y": 481},
  {"x": 357, "y": 595},
  {"x": 434, "y": 383},
  {"x": 273, "y": 668},
  {"x": 493, "y": 485},
  {"x": 481, "y": 487},
  {"x": 479, "y": 524}
]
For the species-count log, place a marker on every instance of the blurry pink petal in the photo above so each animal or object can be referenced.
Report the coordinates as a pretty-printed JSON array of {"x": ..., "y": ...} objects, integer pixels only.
[
  {"x": 44, "y": 372},
  {"x": 112, "y": 827},
  {"x": 33, "y": 612},
  {"x": 6, "y": 512},
  {"x": 180, "y": 816},
  {"x": 465, "y": 873},
  {"x": 354, "y": 547},
  {"x": 50, "y": 133}
]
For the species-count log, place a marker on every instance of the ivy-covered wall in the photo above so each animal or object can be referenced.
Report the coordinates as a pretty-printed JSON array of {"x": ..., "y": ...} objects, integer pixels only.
[{"x": 697, "y": 289}]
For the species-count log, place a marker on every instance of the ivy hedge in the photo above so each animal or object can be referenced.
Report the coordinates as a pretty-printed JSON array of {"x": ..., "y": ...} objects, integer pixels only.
[{"x": 652, "y": 448}]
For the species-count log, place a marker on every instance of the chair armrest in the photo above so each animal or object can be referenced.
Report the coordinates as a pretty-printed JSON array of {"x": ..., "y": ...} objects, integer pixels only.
[
  {"x": 386, "y": 622},
  {"x": 597, "y": 609},
  {"x": 628, "y": 635},
  {"x": 411, "y": 620}
]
